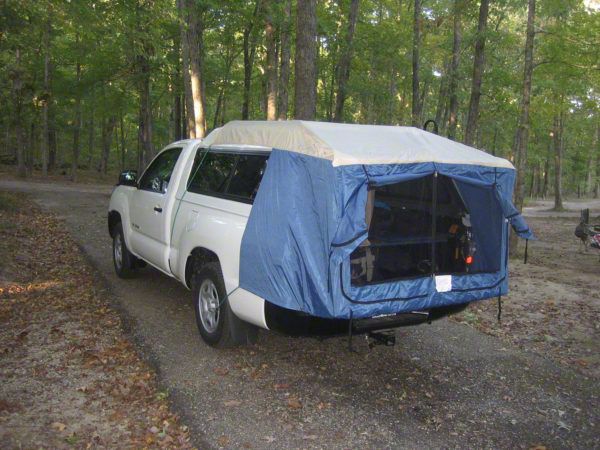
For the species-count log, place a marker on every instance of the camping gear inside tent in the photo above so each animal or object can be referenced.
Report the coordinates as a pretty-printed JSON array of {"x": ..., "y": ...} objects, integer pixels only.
[{"x": 363, "y": 220}]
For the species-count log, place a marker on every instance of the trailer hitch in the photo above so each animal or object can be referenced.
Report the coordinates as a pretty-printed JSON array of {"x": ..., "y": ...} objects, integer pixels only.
[{"x": 384, "y": 337}]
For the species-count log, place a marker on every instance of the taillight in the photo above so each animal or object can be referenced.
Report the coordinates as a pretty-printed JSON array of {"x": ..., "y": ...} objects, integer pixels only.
[{"x": 469, "y": 259}]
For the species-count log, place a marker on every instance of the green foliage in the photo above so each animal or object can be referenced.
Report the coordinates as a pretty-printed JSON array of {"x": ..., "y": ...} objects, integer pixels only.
[{"x": 110, "y": 38}]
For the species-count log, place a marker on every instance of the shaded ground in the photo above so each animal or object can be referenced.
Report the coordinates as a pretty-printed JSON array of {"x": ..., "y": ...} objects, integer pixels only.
[
  {"x": 63, "y": 175},
  {"x": 447, "y": 385},
  {"x": 69, "y": 377}
]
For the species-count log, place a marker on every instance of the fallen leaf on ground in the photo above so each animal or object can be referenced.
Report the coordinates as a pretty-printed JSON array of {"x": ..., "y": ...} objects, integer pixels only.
[
  {"x": 294, "y": 403},
  {"x": 59, "y": 426}
]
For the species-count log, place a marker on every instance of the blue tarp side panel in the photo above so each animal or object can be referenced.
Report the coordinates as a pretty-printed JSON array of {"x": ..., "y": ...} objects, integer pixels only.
[
  {"x": 351, "y": 192},
  {"x": 308, "y": 217},
  {"x": 514, "y": 217},
  {"x": 285, "y": 248}
]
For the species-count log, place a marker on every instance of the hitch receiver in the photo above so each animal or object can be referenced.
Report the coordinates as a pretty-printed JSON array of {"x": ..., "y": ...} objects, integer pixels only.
[{"x": 384, "y": 337}]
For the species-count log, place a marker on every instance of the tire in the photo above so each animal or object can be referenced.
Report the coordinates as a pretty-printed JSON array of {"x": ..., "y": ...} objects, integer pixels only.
[
  {"x": 123, "y": 260},
  {"x": 218, "y": 326}
]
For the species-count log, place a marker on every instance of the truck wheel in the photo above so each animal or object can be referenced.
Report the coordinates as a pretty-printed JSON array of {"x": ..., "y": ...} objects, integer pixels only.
[
  {"x": 218, "y": 325},
  {"x": 123, "y": 260}
]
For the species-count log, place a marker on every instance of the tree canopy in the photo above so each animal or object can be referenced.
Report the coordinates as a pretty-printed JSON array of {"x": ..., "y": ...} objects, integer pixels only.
[{"x": 104, "y": 84}]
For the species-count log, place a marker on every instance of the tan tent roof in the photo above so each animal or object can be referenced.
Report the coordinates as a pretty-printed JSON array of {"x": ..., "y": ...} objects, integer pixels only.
[{"x": 346, "y": 144}]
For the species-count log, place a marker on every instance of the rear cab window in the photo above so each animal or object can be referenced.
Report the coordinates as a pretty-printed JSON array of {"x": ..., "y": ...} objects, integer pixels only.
[{"x": 231, "y": 175}]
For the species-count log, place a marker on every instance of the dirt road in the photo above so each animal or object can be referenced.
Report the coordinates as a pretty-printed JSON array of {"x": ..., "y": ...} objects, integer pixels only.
[{"x": 445, "y": 385}]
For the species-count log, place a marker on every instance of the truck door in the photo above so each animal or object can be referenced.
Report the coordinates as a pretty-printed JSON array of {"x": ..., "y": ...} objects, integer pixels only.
[{"x": 148, "y": 208}]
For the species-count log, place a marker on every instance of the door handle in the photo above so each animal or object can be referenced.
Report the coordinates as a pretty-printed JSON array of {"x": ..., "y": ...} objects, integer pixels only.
[{"x": 158, "y": 209}]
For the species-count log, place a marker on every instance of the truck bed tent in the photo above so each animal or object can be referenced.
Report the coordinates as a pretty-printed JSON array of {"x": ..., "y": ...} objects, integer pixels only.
[{"x": 362, "y": 220}]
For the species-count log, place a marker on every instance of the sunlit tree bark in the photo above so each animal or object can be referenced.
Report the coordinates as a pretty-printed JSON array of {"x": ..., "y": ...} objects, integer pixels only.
[
  {"x": 478, "y": 66},
  {"x": 305, "y": 92}
]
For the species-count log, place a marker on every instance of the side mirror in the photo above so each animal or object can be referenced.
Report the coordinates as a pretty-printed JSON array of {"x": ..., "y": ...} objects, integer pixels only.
[{"x": 128, "y": 178}]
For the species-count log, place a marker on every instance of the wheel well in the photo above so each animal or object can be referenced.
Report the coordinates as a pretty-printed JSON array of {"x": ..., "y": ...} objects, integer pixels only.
[
  {"x": 113, "y": 219},
  {"x": 197, "y": 258}
]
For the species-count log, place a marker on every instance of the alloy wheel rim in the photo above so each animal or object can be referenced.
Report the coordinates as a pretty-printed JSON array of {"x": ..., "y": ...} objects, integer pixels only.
[
  {"x": 208, "y": 305},
  {"x": 118, "y": 251}
]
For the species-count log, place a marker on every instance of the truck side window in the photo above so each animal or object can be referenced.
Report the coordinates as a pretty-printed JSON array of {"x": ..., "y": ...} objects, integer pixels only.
[
  {"x": 247, "y": 175},
  {"x": 214, "y": 173},
  {"x": 228, "y": 175},
  {"x": 158, "y": 174}
]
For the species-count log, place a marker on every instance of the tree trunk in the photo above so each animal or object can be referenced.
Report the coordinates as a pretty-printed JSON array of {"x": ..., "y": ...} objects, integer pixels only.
[
  {"x": 305, "y": 91},
  {"x": 597, "y": 188},
  {"x": 331, "y": 93},
  {"x": 393, "y": 93},
  {"x": 442, "y": 98},
  {"x": 249, "y": 41},
  {"x": 522, "y": 134},
  {"x": 123, "y": 151},
  {"x": 558, "y": 150},
  {"x": 76, "y": 122},
  {"x": 107, "y": 134},
  {"x": 52, "y": 148},
  {"x": 453, "y": 83},
  {"x": 495, "y": 140},
  {"x": 185, "y": 56},
  {"x": 478, "y": 64},
  {"x": 30, "y": 150},
  {"x": 547, "y": 172},
  {"x": 538, "y": 180},
  {"x": 532, "y": 181},
  {"x": 91, "y": 136},
  {"x": 17, "y": 91},
  {"x": 177, "y": 114},
  {"x": 145, "y": 130},
  {"x": 284, "y": 68},
  {"x": 195, "y": 30},
  {"x": 176, "y": 105},
  {"x": 220, "y": 107},
  {"x": 590, "y": 184},
  {"x": 343, "y": 72},
  {"x": 416, "y": 103},
  {"x": 589, "y": 178},
  {"x": 46, "y": 98},
  {"x": 271, "y": 71}
]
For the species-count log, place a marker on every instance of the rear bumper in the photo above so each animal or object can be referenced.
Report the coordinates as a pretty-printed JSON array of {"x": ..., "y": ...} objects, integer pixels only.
[{"x": 295, "y": 323}]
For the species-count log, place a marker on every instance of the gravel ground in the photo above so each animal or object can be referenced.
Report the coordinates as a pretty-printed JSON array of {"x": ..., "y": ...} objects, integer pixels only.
[
  {"x": 553, "y": 307},
  {"x": 447, "y": 385}
]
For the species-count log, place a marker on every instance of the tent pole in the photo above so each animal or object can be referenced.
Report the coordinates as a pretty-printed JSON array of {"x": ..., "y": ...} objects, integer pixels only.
[
  {"x": 433, "y": 221},
  {"x": 499, "y": 309}
]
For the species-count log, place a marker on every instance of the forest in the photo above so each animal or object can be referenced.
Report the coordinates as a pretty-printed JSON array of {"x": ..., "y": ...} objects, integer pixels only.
[{"x": 102, "y": 85}]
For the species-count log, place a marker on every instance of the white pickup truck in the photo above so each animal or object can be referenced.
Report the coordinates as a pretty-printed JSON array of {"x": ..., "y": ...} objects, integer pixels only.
[{"x": 188, "y": 223}]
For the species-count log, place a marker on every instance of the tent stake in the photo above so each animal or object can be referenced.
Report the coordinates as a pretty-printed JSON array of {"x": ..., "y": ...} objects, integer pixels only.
[
  {"x": 525, "y": 258},
  {"x": 499, "y": 309},
  {"x": 350, "y": 333}
]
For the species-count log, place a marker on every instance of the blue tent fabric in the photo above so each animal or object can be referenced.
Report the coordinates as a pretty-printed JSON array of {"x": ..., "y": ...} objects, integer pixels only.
[{"x": 308, "y": 217}]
